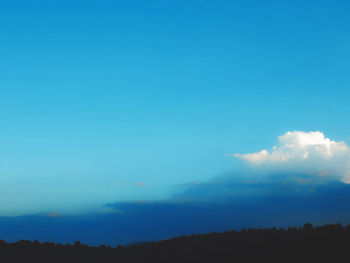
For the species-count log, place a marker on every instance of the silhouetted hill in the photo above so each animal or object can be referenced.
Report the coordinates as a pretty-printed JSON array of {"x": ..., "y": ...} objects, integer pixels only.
[{"x": 329, "y": 243}]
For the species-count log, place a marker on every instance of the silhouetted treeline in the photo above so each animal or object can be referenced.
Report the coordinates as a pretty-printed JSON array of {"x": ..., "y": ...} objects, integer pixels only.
[{"x": 329, "y": 243}]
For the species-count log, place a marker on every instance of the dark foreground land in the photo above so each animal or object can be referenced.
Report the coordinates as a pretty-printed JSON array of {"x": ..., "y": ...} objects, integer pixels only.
[{"x": 329, "y": 243}]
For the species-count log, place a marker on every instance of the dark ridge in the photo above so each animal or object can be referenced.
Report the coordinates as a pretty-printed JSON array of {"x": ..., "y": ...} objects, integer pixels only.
[
  {"x": 139, "y": 243},
  {"x": 328, "y": 243}
]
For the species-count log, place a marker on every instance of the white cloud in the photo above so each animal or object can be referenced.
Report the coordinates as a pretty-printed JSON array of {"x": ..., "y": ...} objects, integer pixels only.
[{"x": 305, "y": 152}]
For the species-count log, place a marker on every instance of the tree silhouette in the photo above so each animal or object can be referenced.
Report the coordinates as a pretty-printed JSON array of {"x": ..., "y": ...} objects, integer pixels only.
[{"x": 328, "y": 243}]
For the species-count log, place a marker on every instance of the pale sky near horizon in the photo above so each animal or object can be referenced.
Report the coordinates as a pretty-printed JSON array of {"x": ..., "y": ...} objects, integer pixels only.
[{"x": 106, "y": 101}]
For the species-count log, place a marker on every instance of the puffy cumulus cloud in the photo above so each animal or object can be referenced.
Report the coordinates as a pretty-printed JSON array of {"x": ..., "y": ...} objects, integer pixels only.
[{"x": 305, "y": 152}]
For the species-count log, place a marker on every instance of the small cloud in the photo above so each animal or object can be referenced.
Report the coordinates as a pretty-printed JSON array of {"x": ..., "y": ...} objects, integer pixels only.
[
  {"x": 140, "y": 201},
  {"x": 304, "y": 181},
  {"x": 53, "y": 215},
  {"x": 140, "y": 184},
  {"x": 250, "y": 182},
  {"x": 190, "y": 183}
]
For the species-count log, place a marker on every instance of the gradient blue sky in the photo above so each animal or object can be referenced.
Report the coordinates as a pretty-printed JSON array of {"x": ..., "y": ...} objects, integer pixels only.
[{"x": 115, "y": 101}]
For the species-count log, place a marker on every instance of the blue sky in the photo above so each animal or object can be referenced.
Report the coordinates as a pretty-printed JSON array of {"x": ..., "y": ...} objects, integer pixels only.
[{"x": 115, "y": 101}]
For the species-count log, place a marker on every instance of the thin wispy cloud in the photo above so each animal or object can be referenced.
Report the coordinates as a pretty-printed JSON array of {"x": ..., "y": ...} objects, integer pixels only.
[{"x": 140, "y": 184}]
